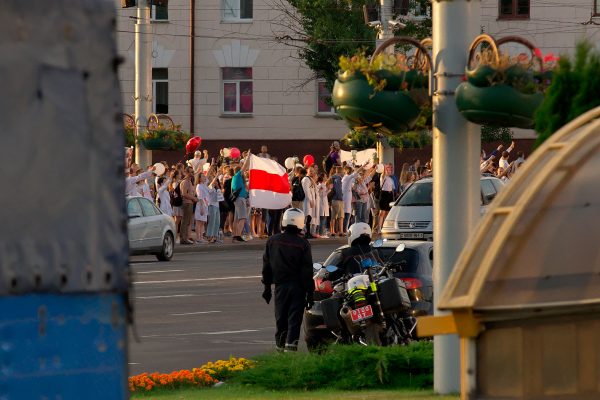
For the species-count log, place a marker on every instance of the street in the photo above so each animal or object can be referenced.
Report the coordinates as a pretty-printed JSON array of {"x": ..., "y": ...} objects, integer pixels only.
[{"x": 201, "y": 307}]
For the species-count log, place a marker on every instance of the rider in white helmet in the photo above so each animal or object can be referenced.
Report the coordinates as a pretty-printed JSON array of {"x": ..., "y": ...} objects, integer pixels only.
[
  {"x": 287, "y": 263},
  {"x": 359, "y": 245}
]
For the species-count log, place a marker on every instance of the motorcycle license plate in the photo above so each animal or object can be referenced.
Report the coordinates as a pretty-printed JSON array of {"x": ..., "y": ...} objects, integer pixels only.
[{"x": 360, "y": 314}]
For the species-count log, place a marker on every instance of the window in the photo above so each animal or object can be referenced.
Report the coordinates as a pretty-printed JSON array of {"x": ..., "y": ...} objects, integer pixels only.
[
  {"x": 596, "y": 7},
  {"x": 237, "y": 90},
  {"x": 148, "y": 208},
  {"x": 510, "y": 9},
  {"x": 160, "y": 13},
  {"x": 235, "y": 10},
  {"x": 133, "y": 208},
  {"x": 324, "y": 98},
  {"x": 160, "y": 90}
]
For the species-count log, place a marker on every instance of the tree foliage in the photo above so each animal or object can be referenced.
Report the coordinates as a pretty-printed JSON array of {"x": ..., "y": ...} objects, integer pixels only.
[
  {"x": 324, "y": 30},
  {"x": 574, "y": 90},
  {"x": 491, "y": 134}
]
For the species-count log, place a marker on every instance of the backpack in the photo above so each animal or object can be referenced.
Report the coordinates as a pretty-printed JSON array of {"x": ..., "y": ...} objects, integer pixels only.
[
  {"x": 176, "y": 199},
  {"x": 297, "y": 191}
]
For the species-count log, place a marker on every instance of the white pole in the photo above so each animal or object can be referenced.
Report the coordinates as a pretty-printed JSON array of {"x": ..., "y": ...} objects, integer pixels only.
[
  {"x": 456, "y": 147},
  {"x": 385, "y": 153},
  {"x": 143, "y": 77}
]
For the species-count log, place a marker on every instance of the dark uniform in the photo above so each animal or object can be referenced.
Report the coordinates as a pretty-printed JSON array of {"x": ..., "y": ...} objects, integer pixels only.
[{"x": 287, "y": 263}]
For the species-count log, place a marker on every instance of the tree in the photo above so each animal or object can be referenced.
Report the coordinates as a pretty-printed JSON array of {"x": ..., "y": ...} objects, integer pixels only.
[
  {"x": 324, "y": 30},
  {"x": 491, "y": 134}
]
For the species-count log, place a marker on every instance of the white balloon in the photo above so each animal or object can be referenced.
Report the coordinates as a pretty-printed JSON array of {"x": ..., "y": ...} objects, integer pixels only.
[
  {"x": 159, "y": 169},
  {"x": 226, "y": 152},
  {"x": 380, "y": 168},
  {"x": 290, "y": 162}
]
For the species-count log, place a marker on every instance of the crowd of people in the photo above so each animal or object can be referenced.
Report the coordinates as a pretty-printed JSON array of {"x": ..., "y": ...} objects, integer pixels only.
[{"x": 208, "y": 197}]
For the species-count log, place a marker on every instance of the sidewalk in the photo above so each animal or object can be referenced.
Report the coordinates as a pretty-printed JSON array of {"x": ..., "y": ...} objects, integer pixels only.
[{"x": 254, "y": 244}]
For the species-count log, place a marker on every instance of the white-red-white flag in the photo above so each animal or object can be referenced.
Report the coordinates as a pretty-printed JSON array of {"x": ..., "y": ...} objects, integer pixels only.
[{"x": 269, "y": 186}]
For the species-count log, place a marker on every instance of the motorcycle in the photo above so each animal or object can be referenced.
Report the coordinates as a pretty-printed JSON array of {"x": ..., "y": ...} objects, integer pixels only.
[{"x": 370, "y": 308}]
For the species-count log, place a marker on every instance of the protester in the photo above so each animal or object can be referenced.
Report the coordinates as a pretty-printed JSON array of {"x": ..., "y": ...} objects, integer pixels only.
[
  {"x": 214, "y": 220},
  {"x": 263, "y": 152},
  {"x": 188, "y": 199},
  {"x": 337, "y": 204},
  {"x": 298, "y": 194},
  {"x": 239, "y": 194},
  {"x": 287, "y": 263},
  {"x": 387, "y": 195},
  {"x": 334, "y": 158},
  {"x": 323, "y": 188},
  {"x": 163, "y": 199},
  {"x": 201, "y": 212},
  {"x": 131, "y": 182},
  {"x": 197, "y": 162}
]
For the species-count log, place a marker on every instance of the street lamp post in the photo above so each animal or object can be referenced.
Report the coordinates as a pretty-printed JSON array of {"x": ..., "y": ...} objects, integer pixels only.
[
  {"x": 385, "y": 152},
  {"x": 456, "y": 148},
  {"x": 143, "y": 77}
]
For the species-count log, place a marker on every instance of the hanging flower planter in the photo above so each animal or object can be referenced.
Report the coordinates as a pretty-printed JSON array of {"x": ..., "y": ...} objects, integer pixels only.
[
  {"x": 502, "y": 91},
  {"x": 386, "y": 94},
  {"x": 163, "y": 134}
]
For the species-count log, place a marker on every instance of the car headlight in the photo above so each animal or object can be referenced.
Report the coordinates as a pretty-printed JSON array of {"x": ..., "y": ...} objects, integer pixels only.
[{"x": 388, "y": 224}]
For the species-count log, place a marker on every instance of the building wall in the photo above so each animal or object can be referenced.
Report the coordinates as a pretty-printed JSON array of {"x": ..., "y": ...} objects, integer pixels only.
[{"x": 284, "y": 96}]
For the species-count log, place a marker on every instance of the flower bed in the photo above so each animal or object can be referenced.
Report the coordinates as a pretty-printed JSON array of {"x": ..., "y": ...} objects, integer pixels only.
[{"x": 205, "y": 376}]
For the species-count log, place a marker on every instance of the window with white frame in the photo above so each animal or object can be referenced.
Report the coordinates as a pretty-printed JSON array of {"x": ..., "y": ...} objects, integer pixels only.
[
  {"x": 237, "y": 10},
  {"x": 160, "y": 13},
  {"x": 160, "y": 90},
  {"x": 237, "y": 90},
  {"x": 324, "y": 106}
]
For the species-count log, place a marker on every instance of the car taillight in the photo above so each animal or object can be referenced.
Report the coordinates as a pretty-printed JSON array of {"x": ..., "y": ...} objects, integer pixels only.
[
  {"x": 323, "y": 286},
  {"x": 412, "y": 283}
]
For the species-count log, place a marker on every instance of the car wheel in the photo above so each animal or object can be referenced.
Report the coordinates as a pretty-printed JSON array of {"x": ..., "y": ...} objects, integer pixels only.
[{"x": 166, "y": 253}]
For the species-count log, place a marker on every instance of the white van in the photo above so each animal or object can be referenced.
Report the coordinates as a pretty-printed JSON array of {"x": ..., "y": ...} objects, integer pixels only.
[{"x": 411, "y": 216}]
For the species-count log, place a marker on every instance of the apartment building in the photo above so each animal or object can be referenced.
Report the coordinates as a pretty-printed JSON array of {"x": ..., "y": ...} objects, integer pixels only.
[{"x": 247, "y": 89}]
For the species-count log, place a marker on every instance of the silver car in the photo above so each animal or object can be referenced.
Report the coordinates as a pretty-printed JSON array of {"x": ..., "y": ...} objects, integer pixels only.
[
  {"x": 411, "y": 216},
  {"x": 150, "y": 231}
]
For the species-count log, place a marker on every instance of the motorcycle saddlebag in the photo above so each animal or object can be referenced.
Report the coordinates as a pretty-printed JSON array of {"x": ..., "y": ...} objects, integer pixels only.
[
  {"x": 331, "y": 308},
  {"x": 393, "y": 295}
]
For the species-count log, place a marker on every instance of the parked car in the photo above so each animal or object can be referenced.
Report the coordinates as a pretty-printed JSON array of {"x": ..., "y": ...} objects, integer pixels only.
[
  {"x": 150, "y": 231},
  {"x": 411, "y": 216},
  {"x": 415, "y": 263}
]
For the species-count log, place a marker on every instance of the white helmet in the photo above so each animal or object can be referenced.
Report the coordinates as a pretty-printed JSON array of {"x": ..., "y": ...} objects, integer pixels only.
[
  {"x": 357, "y": 230},
  {"x": 293, "y": 216}
]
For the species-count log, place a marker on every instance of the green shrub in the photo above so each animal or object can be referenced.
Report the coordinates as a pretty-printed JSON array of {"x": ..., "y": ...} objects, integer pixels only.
[
  {"x": 574, "y": 90},
  {"x": 491, "y": 134},
  {"x": 344, "y": 368}
]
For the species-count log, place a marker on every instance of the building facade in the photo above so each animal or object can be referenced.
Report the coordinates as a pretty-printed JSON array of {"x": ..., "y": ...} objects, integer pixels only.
[{"x": 247, "y": 88}]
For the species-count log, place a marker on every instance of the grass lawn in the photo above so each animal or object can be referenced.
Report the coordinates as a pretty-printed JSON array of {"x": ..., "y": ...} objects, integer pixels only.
[{"x": 245, "y": 393}]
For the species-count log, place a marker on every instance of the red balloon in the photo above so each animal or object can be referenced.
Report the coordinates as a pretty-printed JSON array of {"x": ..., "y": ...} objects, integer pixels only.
[
  {"x": 308, "y": 160},
  {"x": 193, "y": 144},
  {"x": 234, "y": 152}
]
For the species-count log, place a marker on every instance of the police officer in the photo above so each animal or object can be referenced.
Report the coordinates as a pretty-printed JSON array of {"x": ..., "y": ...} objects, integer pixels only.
[
  {"x": 287, "y": 263},
  {"x": 359, "y": 241}
]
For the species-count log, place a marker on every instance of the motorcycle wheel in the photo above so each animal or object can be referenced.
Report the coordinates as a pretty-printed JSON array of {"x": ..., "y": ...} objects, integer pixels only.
[{"x": 371, "y": 333}]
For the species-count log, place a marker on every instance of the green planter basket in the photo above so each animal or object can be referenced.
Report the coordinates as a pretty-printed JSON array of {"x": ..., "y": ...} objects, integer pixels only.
[
  {"x": 500, "y": 105},
  {"x": 157, "y": 144},
  {"x": 488, "y": 96},
  {"x": 387, "y": 111}
]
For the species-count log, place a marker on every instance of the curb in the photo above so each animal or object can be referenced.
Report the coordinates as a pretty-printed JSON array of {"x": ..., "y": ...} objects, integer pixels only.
[{"x": 255, "y": 244}]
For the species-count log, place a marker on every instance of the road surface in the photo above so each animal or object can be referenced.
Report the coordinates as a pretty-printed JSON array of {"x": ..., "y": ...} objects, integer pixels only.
[{"x": 200, "y": 307}]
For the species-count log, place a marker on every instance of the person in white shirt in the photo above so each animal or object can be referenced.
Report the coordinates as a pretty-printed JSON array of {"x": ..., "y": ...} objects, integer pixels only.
[
  {"x": 387, "y": 195},
  {"x": 131, "y": 182},
  {"x": 310, "y": 202},
  {"x": 201, "y": 212},
  {"x": 347, "y": 184},
  {"x": 162, "y": 196},
  {"x": 322, "y": 190},
  {"x": 361, "y": 204},
  {"x": 145, "y": 189},
  {"x": 197, "y": 162},
  {"x": 214, "y": 219},
  {"x": 503, "y": 162}
]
